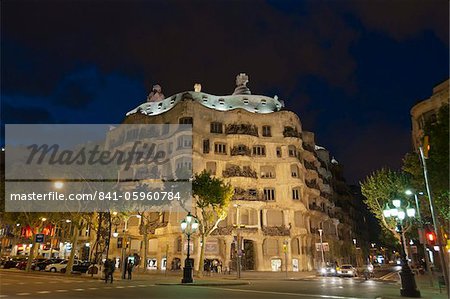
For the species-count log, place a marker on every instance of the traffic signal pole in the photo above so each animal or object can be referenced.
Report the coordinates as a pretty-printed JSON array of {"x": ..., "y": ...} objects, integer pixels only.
[
  {"x": 435, "y": 221},
  {"x": 424, "y": 241}
]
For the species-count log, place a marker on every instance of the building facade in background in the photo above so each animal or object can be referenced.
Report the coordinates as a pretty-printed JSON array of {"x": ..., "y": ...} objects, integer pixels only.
[{"x": 426, "y": 110}]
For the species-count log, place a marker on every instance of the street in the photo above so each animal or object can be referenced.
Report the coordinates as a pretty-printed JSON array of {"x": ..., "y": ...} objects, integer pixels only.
[{"x": 15, "y": 284}]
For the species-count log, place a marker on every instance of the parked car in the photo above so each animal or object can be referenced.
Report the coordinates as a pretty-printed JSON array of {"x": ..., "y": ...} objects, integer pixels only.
[
  {"x": 12, "y": 262},
  {"x": 56, "y": 267},
  {"x": 40, "y": 264},
  {"x": 347, "y": 271},
  {"x": 79, "y": 267}
]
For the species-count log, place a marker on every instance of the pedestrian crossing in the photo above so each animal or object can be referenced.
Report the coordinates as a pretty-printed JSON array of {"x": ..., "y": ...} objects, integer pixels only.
[{"x": 37, "y": 293}]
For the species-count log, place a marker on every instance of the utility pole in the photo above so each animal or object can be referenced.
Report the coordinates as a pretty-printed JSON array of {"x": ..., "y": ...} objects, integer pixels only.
[
  {"x": 435, "y": 220},
  {"x": 239, "y": 246}
]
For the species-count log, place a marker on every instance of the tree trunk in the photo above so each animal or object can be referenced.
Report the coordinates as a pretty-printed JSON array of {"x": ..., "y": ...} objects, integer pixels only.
[
  {"x": 145, "y": 249},
  {"x": 202, "y": 256},
  {"x": 31, "y": 255},
  {"x": 74, "y": 248}
]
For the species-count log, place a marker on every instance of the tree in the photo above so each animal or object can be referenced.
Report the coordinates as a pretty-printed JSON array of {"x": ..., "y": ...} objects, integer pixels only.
[
  {"x": 437, "y": 163},
  {"x": 212, "y": 199},
  {"x": 380, "y": 188}
]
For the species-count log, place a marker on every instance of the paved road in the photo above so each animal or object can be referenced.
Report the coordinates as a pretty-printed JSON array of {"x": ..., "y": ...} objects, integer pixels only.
[{"x": 22, "y": 285}]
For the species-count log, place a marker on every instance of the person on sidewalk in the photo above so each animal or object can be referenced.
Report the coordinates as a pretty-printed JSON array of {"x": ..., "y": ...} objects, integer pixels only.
[
  {"x": 109, "y": 270},
  {"x": 129, "y": 269}
]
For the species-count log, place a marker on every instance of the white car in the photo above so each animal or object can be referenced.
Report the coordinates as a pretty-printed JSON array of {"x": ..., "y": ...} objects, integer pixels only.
[
  {"x": 347, "y": 270},
  {"x": 58, "y": 266}
]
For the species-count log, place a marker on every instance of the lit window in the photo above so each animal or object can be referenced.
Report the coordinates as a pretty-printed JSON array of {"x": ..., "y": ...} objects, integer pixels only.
[
  {"x": 216, "y": 127},
  {"x": 294, "y": 171},
  {"x": 292, "y": 151},
  {"x": 259, "y": 150},
  {"x": 269, "y": 194},
  {"x": 220, "y": 148},
  {"x": 279, "y": 152},
  {"x": 206, "y": 146},
  {"x": 267, "y": 172},
  {"x": 185, "y": 121},
  {"x": 266, "y": 131}
]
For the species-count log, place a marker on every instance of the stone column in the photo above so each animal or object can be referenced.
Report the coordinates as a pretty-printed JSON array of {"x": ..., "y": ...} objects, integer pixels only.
[
  {"x": 289, "y": 255},
  {"x": 264, "y": 215},
  {"x": 227, "y": 260},
  {"x": 259, "y": 256}
]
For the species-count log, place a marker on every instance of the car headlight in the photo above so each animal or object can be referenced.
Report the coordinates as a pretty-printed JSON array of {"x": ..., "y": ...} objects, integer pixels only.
[
  {"x": 323, "y": 270},
  {"x": 333, "y": 271}
]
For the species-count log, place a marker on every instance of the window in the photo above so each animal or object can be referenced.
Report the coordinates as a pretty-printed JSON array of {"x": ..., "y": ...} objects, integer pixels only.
[
  {"x": 185, "y": 142},
  {"x": 252, "y": 192},
  {"x": 185, "y": 121},
  {"x": 294, "y": 171},
  {"x": 184, "y": 164},
  {"x": 211, "y": 167},
  {"x": 292, "y": 151},
  {"x": 220, "y": 148},
  {"x": 170, "y": 148},
  {"x": 216, "y": 127},
  {"x": 296, "y": 193},
  {"x": 279, "y": 152},
  {"x": 266, "y": 131},
  {"x": 205, "y": 146},
  {"x": 269, "y": 194},
  {"x": 267, "y": 172},
  {"x": 259, "y": 150}
]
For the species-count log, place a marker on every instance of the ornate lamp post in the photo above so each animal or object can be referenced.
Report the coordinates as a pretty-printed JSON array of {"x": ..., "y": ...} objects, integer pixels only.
[
  {"x": 321, "y": 247},
  {"x": 409, "y": 287},
  {"x": 188, "y": 226}
]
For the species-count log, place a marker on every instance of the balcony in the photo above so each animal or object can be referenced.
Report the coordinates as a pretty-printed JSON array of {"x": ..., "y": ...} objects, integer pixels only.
[
  {"x": 309, "y": 165},
  {"x": 236, "y": 171},
  {"x": 241, "y": 150},
  {"x": 275, "y": 230},
  {"x": 248, "y": 195},
  {"x": 291, "y": 132},
  {"x": 315, "y": 207},
  {"x": 312, "y": 184},
  {"x": 244, "y": 129}
]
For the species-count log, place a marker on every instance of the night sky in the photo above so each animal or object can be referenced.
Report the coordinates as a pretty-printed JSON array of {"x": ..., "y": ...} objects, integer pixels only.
[{"x": 350, "y": 70}]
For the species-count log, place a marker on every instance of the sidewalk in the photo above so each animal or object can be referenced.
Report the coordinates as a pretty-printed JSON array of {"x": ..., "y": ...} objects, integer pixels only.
[{"x": 423, "y": 284}]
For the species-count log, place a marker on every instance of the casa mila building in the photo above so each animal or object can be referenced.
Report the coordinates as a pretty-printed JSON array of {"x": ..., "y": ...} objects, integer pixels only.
[{"x": 286, "y": 187}]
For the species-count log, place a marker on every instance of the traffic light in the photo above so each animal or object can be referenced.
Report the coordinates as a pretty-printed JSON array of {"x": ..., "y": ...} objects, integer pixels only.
[
  {"x": 431, "y": 238},
  {"x": 426, "y": 146}
]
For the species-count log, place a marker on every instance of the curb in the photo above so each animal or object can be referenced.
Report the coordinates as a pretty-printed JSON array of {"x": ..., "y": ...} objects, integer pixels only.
[{"x": 203, "y": 284}]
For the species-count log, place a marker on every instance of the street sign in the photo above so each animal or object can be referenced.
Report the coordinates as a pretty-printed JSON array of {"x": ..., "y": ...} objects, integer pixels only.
[
  {"x": 39, "y": 238},
  {"x": 326, "y": 247}
]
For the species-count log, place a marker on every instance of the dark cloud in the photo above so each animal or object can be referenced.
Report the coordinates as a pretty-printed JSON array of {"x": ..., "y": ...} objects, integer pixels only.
[
  {"x": 25, "y": 115},
  {"x": 350, "y": 69},
  {"x": 364, "y": 149},
  {"x": 197, "y": 38},
  {"x": 404, "y": 19}
]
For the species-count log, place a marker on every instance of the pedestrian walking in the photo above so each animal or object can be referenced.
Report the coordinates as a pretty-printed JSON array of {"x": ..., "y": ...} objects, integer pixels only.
[
  {"x": 109, "y": 270},
  {"x": 129, "y": 269}
]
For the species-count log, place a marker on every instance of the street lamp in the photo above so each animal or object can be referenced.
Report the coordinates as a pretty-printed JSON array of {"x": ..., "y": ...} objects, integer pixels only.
[
  {"x": 409, "y": 287},
  {"x": 321, "y": 247},
  {"x": 188, "y": 226}
]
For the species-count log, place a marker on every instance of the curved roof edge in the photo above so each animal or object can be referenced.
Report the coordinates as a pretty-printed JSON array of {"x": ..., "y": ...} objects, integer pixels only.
[{"x": 251, "y": 103}]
